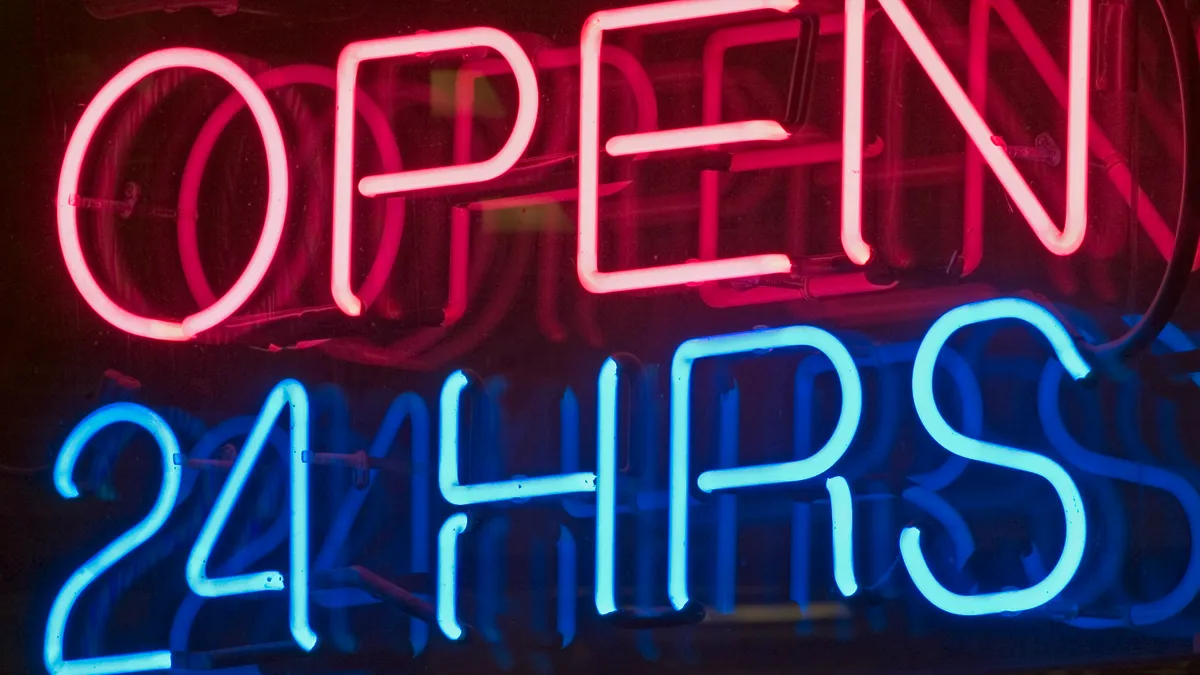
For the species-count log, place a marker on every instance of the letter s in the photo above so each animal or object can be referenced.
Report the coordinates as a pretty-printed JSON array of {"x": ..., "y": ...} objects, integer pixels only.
[{"x": 999, "y": 455}]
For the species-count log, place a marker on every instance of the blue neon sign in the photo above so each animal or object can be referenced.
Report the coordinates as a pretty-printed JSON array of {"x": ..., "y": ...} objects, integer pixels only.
[
  {"x": 981, "y": 451},
  {"x": 64, "y": 466},
  {"x": 596, "y": 494},
  {"x": 772, "y": 474},
  {"x": 288, "y": 393}
]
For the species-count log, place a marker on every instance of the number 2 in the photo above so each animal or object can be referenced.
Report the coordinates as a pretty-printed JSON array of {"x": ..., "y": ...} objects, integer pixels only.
[{"x": 56, "y": 625}]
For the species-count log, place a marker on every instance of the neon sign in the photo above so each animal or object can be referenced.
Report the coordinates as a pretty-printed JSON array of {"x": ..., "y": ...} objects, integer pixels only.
[
  {"x": 713, "y": 133},
  {"x": 571, "y": 485},
  {"x": 56, "y": 625},
  {"x": 1013, "y": 458},
  {"x": 277, "y": 197},
  {"x": 661, "y": 485},
  {"x": 291, "y": 394}
]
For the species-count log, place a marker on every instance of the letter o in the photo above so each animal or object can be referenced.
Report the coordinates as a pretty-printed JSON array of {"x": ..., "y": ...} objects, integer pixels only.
[{"x": 277, "y": 194}]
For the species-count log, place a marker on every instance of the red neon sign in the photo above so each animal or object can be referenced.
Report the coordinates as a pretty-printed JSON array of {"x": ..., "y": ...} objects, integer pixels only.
[
  {"x": 587, "y": 258},
  {"x": 1060, "y": 242},
  {"x": 407, "y": 181},
  {"x": 644, "y": 141},
  {"x": 277, "y": 195}
]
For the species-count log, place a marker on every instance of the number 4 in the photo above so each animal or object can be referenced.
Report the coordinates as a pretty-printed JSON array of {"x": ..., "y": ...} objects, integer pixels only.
[{"x": 292, "y": 394}]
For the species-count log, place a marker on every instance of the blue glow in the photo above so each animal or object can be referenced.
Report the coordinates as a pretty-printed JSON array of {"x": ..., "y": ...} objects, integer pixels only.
[
  {"x": 648, "y": 530},
  {"x": 489, "y": 577},
  {"x": 569, "y": 438},
  {"x": 885, "y": 427},
  {"x": 606, "y": 487},
  {"x": 302, "y": 632},
  {"x": 447, "y": 588},
  {"x": 64, "y": 467},
  {"x": 768, "y": 474},
  {"x": 197, "y": 561},
  {"x": 292, "y": 394},
  {"x": 418, "y": 633},
  {"x": 971, "y": 401},
  {"x": 499, "y": 491},
  {"x": 1020, "y": 460},
  {"x": 799, "y": 573},
  {"x": 1142, "y": 474},
  {"x": 725, "y": 553},
  {"x": 949, "y": 518},
  {"x": 841, "y": 504},
  {"x": 250, "y": 551},
  {"x": 566, "y": 585},
  {"x": 783, "y": 472},
  {"x": 406, "y": 407},
  {"x": 1172, "y": 337}
]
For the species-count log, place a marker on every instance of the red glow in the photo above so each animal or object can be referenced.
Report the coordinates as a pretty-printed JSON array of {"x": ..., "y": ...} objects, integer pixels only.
[
  {"x": 1069, "y": 239},
  {"x": 587, "y": 259},
  {"x": 637, "y": 140},
  {"x": 799, "y": 155},
  {"x": 713, "y": 67},
  {"x": 1118, "y": 172},
  {"x": 852, "y": 133},
  {"x": 680, "y": 139},
  {"x": 407, "y": 181},
  {"x": 277, "y": 195},
  {"x": 543, "y": 198},
  {"x": 464, "y": 97},
  {"x": 625, "y": 63},
  {"x": 193, "y": 173},
  {"x": 977, "y": 82}
]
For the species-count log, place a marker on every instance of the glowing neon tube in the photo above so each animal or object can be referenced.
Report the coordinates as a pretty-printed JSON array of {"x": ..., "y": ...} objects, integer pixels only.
[
  {"x": 498, "y": 491},
  {"x": 606, "y": 488},
  {"x": 64, "y": 466},
  {"x": 681, "y": 139},
  {"x": 990, "y": 453},
  {"x": 288, "y": 393},
  {"x": 852, "y": 132},
  {"x": 1116, "y": 468},
  {"x": 447, "y": 578},
  {"x": 277, "y": 194},
  {"x": 841, "y": 502},
  {"x": 739, "y": 477},
  {"x": 1070, "y": 238},
  {"x": 355, "y": 54},
  {"x": 587, "y": 258}
]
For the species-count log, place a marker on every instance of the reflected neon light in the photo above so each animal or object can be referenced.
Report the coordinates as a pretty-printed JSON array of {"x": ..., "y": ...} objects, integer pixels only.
[
  {"x": 498, "y": 491},
  {"x": 516, "y": 489},
  {"x": 785, "y": 472}
]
